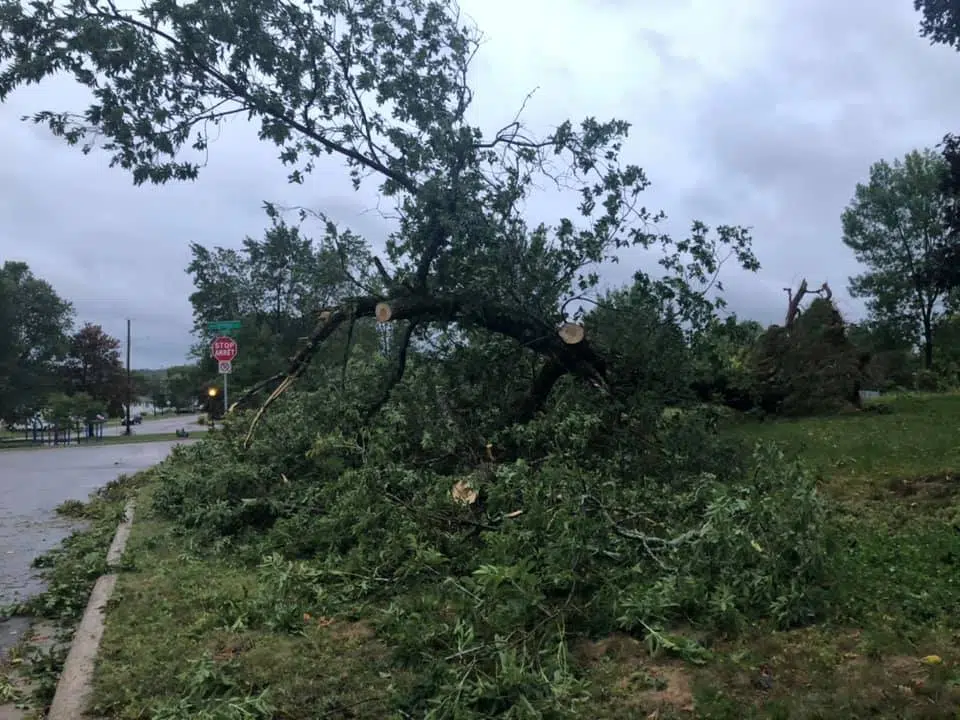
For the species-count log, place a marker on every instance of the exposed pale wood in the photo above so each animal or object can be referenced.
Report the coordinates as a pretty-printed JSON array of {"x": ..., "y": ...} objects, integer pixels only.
[
  {"x": 541, "y": 337},
  {"x": 462, "y": 493},
  {"x": 572, "y": 333},
  {"x": 324, "y": 315},
  {"x": 794, "y": 298},
  {"x": 383, "y": 312}
]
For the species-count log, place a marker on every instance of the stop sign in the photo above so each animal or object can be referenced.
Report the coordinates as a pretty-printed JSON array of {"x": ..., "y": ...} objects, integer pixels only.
[{"x": 223, "y": 349}]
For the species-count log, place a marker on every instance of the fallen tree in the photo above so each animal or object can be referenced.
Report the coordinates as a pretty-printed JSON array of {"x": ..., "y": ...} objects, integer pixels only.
[
  {"x": 565, "y": 348},
  {"x": 383, "y": 88},
  {"x": 808, "y": 365}
]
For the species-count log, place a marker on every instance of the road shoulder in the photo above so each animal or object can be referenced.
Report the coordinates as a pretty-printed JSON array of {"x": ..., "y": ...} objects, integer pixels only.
[{"x": 48, "y": 673}]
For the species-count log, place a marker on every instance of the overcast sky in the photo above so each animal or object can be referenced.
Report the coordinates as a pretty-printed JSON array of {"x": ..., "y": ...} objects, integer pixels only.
[{"x": 763, "y": 113}]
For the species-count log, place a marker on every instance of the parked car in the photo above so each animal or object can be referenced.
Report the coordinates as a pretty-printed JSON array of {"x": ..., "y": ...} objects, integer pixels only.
[
  {"x": 134, "y": 420},
  {"x": 37, "y": 422}
]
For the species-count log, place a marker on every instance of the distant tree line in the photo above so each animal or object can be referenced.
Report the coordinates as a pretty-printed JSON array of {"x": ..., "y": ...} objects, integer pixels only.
[{"x": 53, "y": 368}]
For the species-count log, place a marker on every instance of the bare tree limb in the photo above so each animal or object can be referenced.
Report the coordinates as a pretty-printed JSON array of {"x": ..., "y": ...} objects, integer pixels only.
[
  {"x": 794, "y": 298},
  {"x": 397, "y": 375}
]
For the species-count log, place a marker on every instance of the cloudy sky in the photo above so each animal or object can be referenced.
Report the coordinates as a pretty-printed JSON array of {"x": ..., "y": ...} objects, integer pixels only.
[{"x": 763, "y": 113}]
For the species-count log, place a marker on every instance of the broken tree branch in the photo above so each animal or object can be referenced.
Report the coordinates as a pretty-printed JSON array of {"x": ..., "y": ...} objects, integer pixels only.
[
  {"x": 794, "y": 298},
  {"x": 397, "y": 374},
  {"x": 564, "y": 356},
  {"x": 572, "y": 333}
]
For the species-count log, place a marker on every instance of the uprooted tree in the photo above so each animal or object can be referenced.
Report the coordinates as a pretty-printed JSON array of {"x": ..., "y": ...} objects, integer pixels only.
[{"x": 382, "y": 86}]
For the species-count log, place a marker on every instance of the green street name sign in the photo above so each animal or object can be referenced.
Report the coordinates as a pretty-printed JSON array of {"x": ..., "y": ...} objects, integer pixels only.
[{"x": 221, "y": 325}]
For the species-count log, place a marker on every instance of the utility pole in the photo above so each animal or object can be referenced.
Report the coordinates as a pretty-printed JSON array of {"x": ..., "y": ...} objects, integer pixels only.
[{"x": 128, "y": 430}]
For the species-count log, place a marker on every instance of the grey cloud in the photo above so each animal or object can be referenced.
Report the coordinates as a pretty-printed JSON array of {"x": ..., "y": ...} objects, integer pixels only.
[
  {"x": 844, "y": 85},
  {"x": 118, "y": 251},
  {"x": 779, "y": 148}
]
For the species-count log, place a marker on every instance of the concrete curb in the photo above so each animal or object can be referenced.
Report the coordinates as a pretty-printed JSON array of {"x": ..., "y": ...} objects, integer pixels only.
[{"x": 75, "y": 684}]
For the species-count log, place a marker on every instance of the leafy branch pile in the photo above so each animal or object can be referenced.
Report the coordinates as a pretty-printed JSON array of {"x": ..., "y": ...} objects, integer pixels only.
[
  {"x": 519, "y": 462},
  {"x": 481, "y": 576}
]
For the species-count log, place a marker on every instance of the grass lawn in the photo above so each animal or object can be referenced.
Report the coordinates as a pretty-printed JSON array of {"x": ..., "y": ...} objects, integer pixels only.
[
  {"x": 178, "y": 633},
  {"x": 898, "y": 440},
  {"x": 19, "y": 444},
  {"x": 184, "y": 628}
]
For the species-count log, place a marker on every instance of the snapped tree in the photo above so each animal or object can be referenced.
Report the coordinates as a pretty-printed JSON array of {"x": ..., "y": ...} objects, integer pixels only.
[
  {"x": 383, "y": 87},
  {"x": 895, "y": 227}
]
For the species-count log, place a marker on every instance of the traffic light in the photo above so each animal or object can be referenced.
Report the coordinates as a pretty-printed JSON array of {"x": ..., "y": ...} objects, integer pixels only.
[{"x": 214, "y": 406}]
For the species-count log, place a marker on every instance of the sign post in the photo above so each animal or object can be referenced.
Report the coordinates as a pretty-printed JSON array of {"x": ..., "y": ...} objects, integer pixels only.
[
  {"x": 224, "y": 350},
  {"x": 225, "y": 367}
]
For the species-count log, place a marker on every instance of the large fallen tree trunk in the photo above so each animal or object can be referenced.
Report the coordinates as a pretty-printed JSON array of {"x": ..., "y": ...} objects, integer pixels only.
[{"x": 564, "y": 347}]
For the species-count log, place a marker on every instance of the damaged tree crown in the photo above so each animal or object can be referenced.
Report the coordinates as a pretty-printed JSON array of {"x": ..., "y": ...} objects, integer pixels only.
[
  {"x": 794, "y": 298},
  {"x": 383, "y": 87}
]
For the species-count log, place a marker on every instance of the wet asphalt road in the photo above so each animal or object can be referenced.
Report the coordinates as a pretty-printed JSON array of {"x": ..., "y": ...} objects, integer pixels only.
[{"x": 32, "y": 484}]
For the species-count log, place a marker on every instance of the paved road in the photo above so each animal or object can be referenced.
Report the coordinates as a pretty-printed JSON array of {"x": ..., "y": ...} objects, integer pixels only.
[
  {"x": 161, "y": 425},
  {"x": 32, "y": 484}
]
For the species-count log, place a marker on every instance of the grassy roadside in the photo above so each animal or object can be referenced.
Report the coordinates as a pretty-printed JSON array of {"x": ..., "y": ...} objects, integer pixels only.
[
  {"x": 29, "y": 675},
  {"x": 194, "y": 634},
  {"x": 108, "y": 440},
  {"x": 223, "y": 645}
]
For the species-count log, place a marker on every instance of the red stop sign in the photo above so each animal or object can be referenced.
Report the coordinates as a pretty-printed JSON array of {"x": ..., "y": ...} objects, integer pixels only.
[{"x": 223, "y": 349}]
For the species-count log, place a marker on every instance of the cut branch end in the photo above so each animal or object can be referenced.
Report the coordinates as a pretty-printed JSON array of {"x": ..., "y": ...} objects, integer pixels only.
[
  {"x": 572, "y": 333},
  {"x": 383, "y": 312}
]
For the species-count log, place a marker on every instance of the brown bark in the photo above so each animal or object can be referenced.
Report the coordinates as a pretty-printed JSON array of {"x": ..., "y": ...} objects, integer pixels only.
[
  {"x": 564, "y": 354},
  {"x": 794, "y": 298}
]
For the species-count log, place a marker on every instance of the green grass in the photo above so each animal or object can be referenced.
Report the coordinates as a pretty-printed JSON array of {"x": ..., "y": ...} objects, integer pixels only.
[
  {"x": 107, "y": 440},
  {"x": 893, "y": 472},
  {"x": 905, "y": 437},
  {"x": 179, "y": 633},
  {"x": 186, "y": 629}
]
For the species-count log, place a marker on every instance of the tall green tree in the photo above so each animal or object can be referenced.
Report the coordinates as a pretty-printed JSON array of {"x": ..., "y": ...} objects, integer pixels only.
[
  {"x": 895, "y": 227},
  {"x": 154, "y": 385},
  {"x": 940, "y": 23},
  {"x": 34, "y": 322},
  {"x": 184, "y": 386},
  {"x": 889, "y": 353}
]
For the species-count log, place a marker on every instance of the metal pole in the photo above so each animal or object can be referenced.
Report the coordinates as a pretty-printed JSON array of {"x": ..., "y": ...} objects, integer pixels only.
[
  {"x": 129, "y": 382},
  {"x": 225, "y": 405}
]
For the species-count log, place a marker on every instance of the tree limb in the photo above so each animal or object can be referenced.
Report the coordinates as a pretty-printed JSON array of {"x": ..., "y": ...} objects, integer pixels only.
[
  {"x": 579, "y": 359},
  {"x": 273, "y": 110},
  {"x": 397, "y": 374}
]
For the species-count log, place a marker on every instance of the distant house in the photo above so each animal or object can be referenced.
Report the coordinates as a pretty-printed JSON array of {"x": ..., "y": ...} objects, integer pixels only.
[{"x": 143, "y": 406}]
